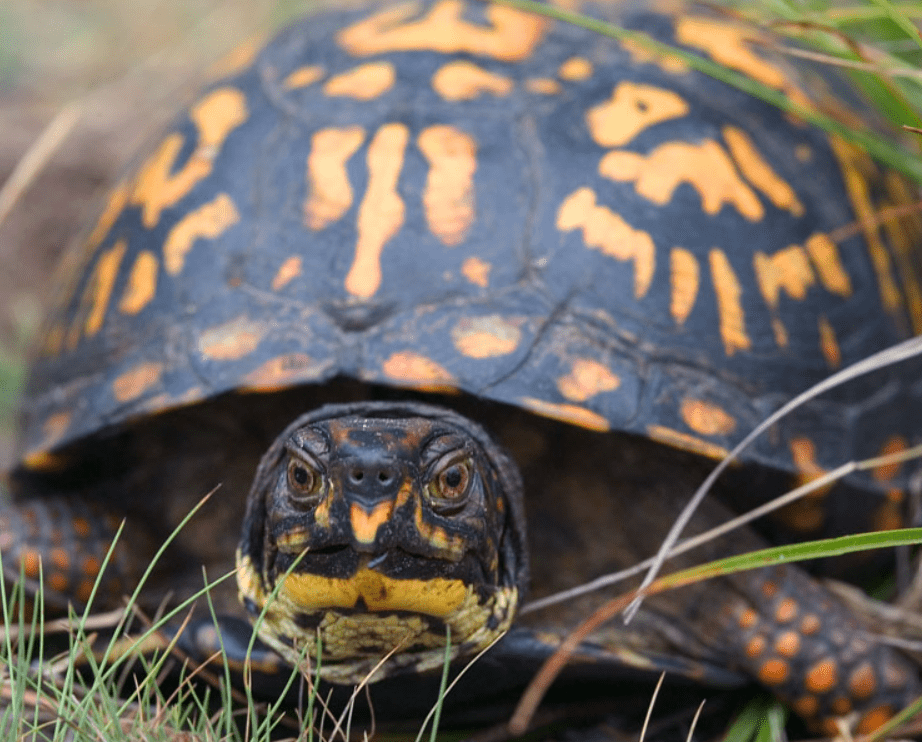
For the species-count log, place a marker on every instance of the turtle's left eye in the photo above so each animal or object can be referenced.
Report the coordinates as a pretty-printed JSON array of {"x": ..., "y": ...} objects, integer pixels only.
[{"x": 450, "y": 482}]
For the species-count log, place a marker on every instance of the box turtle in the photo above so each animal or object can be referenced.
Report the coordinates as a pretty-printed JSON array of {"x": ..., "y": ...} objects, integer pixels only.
[{"x": 396, "y": 220}]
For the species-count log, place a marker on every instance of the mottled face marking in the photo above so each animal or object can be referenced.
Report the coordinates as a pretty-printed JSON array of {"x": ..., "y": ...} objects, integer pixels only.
[{"x": 374, "y": 520}]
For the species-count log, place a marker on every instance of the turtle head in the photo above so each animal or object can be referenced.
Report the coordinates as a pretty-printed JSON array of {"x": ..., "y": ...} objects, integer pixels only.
[{"x": 378, "y": 526}]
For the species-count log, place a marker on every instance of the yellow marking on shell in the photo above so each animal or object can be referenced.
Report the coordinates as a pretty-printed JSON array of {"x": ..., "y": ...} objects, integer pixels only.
[
  {"x": 43, "y": 461},
  {"x": 412, "y": 369},
  {"x": 822, "y": 676},
  {"x": 282, "y": 372},
  {"x": 788, "y": 269},
  {"x": 575, "y": 69},
  {"x": 231, "y": 340},
  {"x": 828, "y": 264},
  {"x": 142, "y": 283},
  {"x": 685, "y": 280},
  {"x": 607, "y": 232},
  {"x": 435, "y": 596},
  {"x": 134, "y": 382},
  {"x": 381, "y": 212},
  {"x": 208, "y": 221},
  {"x": 303, "y": 77},
  {"x": 487, "y": 336},
  {"x": 707, "y": 418},
  {"x": 511, "y": 36},
  {"x": 365, "y": 524},
  {"x": 568, "y": 413},
  {"x": 542, "y": 86},
  {"x": 729, "y": 306},
  {"x": 100, "y": 286},
  {"x": 464, "y": 80},
  {"x": 287, "y": 272},
  {"x": 587, "y": 377},
  {"x": 329, "y": 191},
  {"x": 448, "y": 198},
  {"x": 705, "y": 166},
  {"x": 854, "y": 164},
  {"x": 726, "y": 44},
  {"x": 758, "y": 172},
  {"x": 686, "y": 442},
  {"x": 476, "y": 271},
  {"x": 829, "y": 345},
  {"x": 115, "y": 204},
  {"x": 632, "y": 108},
  {"x": 365, "y": 82},
  {"x": 642, "y": 55},
  {"x": 156, "y": 187}
]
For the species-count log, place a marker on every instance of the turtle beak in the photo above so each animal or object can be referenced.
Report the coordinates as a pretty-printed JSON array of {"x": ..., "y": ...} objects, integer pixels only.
[{"x": 373, "y": 485}]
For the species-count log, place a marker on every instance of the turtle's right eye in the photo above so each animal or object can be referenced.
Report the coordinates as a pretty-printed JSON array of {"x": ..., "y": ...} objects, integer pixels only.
[{"x": 305, "y": 483}]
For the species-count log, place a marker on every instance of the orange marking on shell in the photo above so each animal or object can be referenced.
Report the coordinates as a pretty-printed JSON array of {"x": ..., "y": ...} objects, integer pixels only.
[
  {"x": 887, "y": 472},
  {"x": 788, "y": 644},
  {"x": 57, "y": 582},
  {"x": 60, "y": 558},
  {"x": 632, "y": 108},
  {"x": 415, "y": 370},
  {"x": 99, "y": 288},
  {"x": 238, "y": 59},
  {"x": 822, "y": 676},
  {"x": 487, "y": 336},
  {"x": 54, "y": 427},
  {"x": 685, "y": 279},
  {"x": 729, "y": 306},
  {"x": 542, "y": 86},
  {"x": 829, "y": 344},
  {"x": 807, "y": 706},
  {"x": 758, "y": 172},
  {"x": 464, "y": 80},
  {"x": 31, "y": 563},
  {"x": 365, "y": 82},
  {"x": 381, "y": 213},
  {"x": 142, "y": 283},
  {"x": 115, "y": 204},
  {"x": 208, "y": 221},
  {"x": 755, "y": 646},
  {"x": 803, "y": 153},
  {"x": 642, "y": 55},
  {"x": 365, "y": 524},
  {"x": 303, "y": 77},
  {"x": 828, "y": 264},
  {"x": 476, "y": 271},
  {"x": 511, "y": 36},
  {"x": 786, "y": 610},
  {"x": 855, "y": 164},
  {"x": 707, "y": 418},
  {"x": 774, "y": 672},
  {"x": 748, "y": 618},
  {"x": 863, "y": 681},
  {"x": 769, "y": 588},
  {"x": 282, "y": 372},
  {"x": 81, "y": 527},
  {"x": 136, "y": 381},
  {"x": 568, "y": 413},
  {"x": 91, "y": 566},
  {"x": 727, "y": 44},
  {"x": 329, "y": 193},
  {"x": 84, "y": 590},
  {"x": 156, "y": 186},
  {"x": 287, "y": 272},
  {"x": 788, "y": 269},
  {"x": 587, "y": 378},
  {"x": 448, "y": 197},
  {"x": 231, "y": 340},
  {"x": 575, "y": 69},
  {"x": 808, "y": 513},
  {"x": 841, "y": 706},
  {"x": 905, "y": 234},
  {"x": 686, "y": 442},
  {"x": 874, "y": 719},
  {"x": 706, "y": 167},
  {"x": 607, "y": 232},
  {"x": 810, "y": 624}
]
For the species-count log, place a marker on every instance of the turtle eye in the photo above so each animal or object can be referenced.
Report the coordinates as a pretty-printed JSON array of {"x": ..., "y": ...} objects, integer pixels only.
[
  {"x": 304, "y": 482},
  {"x": 451, "y": 482}
]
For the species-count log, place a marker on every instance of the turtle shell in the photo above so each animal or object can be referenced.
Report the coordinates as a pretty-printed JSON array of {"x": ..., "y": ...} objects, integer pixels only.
[{"x": 444, "y": 197}]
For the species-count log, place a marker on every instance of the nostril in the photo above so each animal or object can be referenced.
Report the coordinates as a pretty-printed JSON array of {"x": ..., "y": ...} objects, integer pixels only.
[
  {"x": 357, "y": 475},
  {"x": 385, "y": 476}
]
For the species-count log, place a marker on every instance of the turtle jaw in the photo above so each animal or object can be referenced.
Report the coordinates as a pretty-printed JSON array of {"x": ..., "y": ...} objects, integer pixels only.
[{"x": 381, "y": 531}]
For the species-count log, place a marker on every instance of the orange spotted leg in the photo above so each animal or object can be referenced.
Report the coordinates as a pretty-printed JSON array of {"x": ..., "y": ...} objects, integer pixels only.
[
  {"x": 799, "y": 641},
  {"x": 61, "y": 544}
]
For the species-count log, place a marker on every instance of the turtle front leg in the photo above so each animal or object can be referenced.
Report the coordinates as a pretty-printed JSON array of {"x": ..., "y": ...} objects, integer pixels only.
[{"x": 60, "y": 544}]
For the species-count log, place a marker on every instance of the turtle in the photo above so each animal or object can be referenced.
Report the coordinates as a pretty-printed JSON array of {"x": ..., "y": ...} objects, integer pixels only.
[{"x": 517, "y": 285}]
